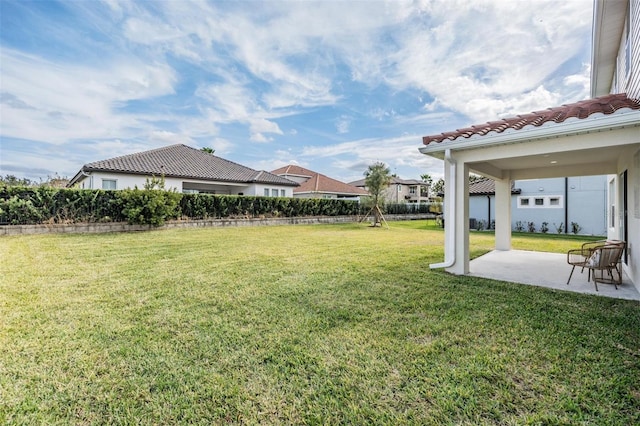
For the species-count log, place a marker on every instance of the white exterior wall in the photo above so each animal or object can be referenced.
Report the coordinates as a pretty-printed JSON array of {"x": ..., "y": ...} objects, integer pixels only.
[
  {"x": 586, "y": 200},
  {"x": 479, "y": 208},
  {"x": 322, "y": 195},
  {"x": 123, "y": 181},
  {"x": 258, "y": 190},
  {"x": 630, "y": 163},
  {"x": 626, "y": 77},
  {"x": 127, "y": 181}
]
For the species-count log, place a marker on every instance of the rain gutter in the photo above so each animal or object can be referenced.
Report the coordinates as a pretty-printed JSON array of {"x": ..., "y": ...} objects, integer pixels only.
[{"x": 449, "y": 246}]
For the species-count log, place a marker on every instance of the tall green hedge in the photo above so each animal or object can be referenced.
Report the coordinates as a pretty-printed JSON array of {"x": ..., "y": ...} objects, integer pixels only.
[{"x": 33, "y": 205}]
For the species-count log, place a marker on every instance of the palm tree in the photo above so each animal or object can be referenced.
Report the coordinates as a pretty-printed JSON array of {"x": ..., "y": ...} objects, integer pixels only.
[
  {"x": 377, "y": 179},
  {"x": 208, "y": 150}
]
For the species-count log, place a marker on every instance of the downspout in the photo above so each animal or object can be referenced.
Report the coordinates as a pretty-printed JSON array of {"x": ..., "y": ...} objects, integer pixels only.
[
  {"x": 449, "y": 246},
  {"x": 488, "y": 212},
  {"x": 566, "y": 205}
]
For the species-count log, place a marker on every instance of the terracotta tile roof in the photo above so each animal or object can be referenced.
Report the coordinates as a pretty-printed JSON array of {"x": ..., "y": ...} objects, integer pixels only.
[
  {"x": 183, "y": 161},
  {"x": 293, "y": 170},
  {"x": 317, "y": 182},
  {"x": 580, "y": 110},
  {"x": 487, "y": 187}
]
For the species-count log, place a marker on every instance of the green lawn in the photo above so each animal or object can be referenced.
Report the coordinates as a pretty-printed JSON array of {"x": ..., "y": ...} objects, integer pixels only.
[{"x": 322, "y": 324}]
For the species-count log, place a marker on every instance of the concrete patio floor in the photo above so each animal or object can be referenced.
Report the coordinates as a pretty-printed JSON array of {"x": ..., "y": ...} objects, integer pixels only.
[{"x": 544, "y": 270}]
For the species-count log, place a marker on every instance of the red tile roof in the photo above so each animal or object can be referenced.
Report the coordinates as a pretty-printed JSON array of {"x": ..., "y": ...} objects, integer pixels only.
[
  {"x": 318, "y": 182},
  {"x": 583, "y": 109}
]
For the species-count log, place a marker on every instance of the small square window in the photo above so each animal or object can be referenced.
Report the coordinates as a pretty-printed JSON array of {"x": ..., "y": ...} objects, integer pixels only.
[
  {"x": 524, "y": 201},
  {"x": 554, "y": 201},
  {"x": 109, "y": 184},
  {"x": 539, "y": 201}
]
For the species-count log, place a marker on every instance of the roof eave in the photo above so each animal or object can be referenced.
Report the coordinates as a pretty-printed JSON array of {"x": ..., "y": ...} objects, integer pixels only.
[
  {"x": 606, "y": 33},
  {"x": 629, "y": 118}
]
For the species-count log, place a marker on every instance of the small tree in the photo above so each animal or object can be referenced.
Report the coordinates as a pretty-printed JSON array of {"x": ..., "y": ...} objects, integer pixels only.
[
  {"x": 438, "y": 187},
  {"x": 208, "y": 150},
  {"x": 428, "y": 180},
  {"x": 377, "y": 179},
  {"x": 152, "y": 205}
]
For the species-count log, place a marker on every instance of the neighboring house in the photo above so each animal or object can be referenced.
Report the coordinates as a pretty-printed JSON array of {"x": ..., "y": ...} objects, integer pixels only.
[
  {"x": 558, "y": 202},
  {"x": 317, "y": 185},
  {"x": 401, "y": 190},
  {"x": 184, "y": 169},
  {"x": 598, "y": 136}
]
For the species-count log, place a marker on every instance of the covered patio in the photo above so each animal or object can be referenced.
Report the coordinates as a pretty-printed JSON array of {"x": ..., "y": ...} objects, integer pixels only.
[
  {"x": 548, "y": 270},
  {"x": 593, "y": 137}
]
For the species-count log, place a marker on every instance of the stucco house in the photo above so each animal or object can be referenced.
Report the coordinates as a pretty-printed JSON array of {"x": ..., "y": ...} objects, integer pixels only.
[
  {"x": 401, "y": 190},
  {"x": 317, "y": 185},
  {"x": 568, "y": 204},
  {"x": 597, "y": 136},
  {"x": 184, "y": 169}
]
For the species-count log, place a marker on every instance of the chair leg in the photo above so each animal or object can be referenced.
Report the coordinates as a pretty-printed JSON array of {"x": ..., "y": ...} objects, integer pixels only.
[{"x": 572, "y": 269}]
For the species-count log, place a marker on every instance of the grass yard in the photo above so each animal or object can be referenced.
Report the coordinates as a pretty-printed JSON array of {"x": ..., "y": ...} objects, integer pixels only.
[{"x": 322, "y": 324}]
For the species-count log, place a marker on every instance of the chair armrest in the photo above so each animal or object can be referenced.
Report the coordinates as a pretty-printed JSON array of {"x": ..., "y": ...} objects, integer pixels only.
[{"x": 578, "y": 256}]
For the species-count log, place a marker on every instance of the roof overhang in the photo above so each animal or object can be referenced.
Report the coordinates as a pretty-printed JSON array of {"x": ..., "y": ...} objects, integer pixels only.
[
  {"x": 608, "y": 24},
  {"x": 577, "y": 147},
  {"x": 592, "y": 124}
]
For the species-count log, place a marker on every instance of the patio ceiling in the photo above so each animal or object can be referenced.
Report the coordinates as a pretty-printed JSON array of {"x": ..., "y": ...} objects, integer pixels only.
[{"x": 579, "y": 162}]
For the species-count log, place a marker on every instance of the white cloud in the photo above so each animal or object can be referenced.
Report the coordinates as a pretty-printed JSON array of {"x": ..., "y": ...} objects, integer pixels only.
[
  {"x": 163, "y": 137},
  {"x": 222, "y": 146},
  {"x": 259, "y": 137},
  {"x": 503, "y": 53},
  {"x": 342, "y": 124},
  {"x": 75, "y": 102},
  {"x": 397, "y": 152},
  {"x": 260, "y": 125},
  {"x": 195, "y": 72}
]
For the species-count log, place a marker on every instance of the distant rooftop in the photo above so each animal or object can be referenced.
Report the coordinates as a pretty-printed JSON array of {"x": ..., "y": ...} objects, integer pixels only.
[
  {"x": 487, "y": 187},
  {"x": 317, "y": 182},
  {"x": 182, "y": 161}
]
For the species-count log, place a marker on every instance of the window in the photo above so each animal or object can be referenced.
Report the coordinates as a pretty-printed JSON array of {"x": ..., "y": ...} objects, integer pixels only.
[
  {"x": 399, "y": 187},
  {"x": 612, "y": 203},
  {"x": 274, "y": 192},
  {"x": 266, "y": 192},
  {"x": 412, "y": 190},
  {"x": 547, "y": 202},
  {"x": 109, "y": 183},
  {"x": 282, "y": 193}
]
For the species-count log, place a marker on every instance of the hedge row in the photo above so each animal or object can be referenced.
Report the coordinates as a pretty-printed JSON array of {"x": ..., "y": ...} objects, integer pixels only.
[{"x": 33, "y": 205}]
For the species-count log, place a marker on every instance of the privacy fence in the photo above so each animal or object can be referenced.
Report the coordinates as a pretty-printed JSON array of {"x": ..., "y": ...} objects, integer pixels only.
[{"x": 36, "y": 205}]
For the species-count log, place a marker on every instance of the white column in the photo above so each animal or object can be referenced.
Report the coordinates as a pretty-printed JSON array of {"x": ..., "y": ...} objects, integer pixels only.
[{"x": 503, "y": 214}]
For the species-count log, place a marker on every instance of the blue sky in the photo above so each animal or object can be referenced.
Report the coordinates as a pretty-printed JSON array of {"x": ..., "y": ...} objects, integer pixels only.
[{"x": 332, "y": 86}]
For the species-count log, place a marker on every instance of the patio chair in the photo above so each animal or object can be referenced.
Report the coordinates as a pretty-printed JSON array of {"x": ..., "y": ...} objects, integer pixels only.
[{"x": 603, "y": 255}]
